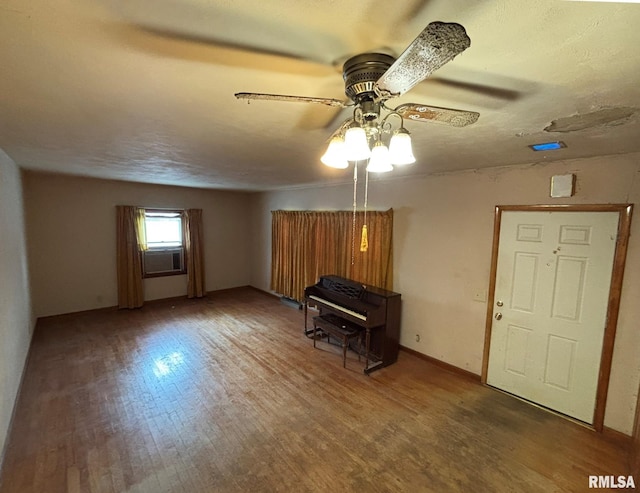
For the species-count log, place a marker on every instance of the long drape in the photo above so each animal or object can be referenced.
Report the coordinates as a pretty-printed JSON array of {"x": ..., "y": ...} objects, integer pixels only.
[
  {"x": 309, "y": 244},
  {"x": 141, "y": 232},
  {"x": 194, "y": 249},
  {"x": 129, "y": 262}
]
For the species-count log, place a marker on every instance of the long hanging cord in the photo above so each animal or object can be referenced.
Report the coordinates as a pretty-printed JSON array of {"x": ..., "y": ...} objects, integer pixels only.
[
  {"x": 355, "y": 204},
  {"x": 364, "y": 240}
]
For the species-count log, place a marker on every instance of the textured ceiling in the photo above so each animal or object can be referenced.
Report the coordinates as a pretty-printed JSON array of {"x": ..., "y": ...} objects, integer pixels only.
[{"x": 143, "y": 90}]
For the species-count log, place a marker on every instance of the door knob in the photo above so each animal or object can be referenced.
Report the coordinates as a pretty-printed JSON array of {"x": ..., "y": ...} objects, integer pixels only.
[
  {"x": 498, "y": 316},
  {"x": 499, "y": 303}
]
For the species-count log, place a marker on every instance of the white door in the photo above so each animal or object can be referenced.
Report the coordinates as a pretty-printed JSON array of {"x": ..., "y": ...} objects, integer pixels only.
[{"x": 550, "y": 307}]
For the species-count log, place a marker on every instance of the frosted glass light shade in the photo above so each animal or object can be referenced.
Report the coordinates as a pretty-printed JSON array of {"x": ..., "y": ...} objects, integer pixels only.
[
  {"x": 335, "y": 157},
  {"x": 400, "y": 151},
  {"x": 379, "y": 161},
  {"x": 357, "y": 144}
]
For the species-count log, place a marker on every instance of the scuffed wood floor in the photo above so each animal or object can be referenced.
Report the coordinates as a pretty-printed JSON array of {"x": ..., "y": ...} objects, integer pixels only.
[{"x": 226, "y": 394}]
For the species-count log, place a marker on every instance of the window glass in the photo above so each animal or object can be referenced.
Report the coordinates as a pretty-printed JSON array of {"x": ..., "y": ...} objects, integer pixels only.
[
  {"x": 165, "y": 251},
  {"x": 163, "y": 231}
]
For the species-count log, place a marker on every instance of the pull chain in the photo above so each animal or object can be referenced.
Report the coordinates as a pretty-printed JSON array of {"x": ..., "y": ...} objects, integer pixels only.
[
  {"x": 355, "y": 204},
  {"x": 364, "y": 240}
]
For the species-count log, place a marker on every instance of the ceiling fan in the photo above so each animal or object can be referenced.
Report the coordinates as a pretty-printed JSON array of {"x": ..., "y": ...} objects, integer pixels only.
[{"x": 371, "y": 79}]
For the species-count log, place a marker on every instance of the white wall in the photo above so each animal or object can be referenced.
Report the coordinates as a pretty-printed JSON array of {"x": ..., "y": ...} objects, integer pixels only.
[
  {"x": 443, "y": 226},
  {"x": 16, "y": 321},
  {"x": 71, "y": 226}
]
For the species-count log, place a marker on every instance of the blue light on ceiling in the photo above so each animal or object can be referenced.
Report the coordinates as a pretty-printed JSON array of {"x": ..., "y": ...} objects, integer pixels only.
[{"x": 548, "y": 146}]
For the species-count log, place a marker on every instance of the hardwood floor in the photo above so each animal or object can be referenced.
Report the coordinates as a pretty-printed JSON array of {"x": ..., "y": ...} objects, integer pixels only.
[{"x": 226, "y": 394}]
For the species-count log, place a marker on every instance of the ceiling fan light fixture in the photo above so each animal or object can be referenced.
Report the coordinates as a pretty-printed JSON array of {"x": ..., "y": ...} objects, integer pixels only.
[
  {"x": 379, "y": 161},
  {"x": 335, "y": 157},
  {"x": 356, "y": 144},
  {"x": 400, "y": 149}
]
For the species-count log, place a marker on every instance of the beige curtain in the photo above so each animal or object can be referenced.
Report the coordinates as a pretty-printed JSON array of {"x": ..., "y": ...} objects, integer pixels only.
[
  {"x": 375, "y": 266},
  {"x": 129, "y": 262},
  {"x": 194, "y": 249},
  {"x": 309, "y": 244},
  {"x": 141, "y": 232}
]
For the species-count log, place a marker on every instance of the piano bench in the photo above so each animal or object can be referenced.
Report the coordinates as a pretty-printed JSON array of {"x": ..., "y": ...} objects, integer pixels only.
[{"x": 333, "y": 325}]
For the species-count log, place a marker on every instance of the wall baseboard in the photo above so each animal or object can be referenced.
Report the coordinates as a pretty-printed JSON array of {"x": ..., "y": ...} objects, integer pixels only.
[
  {"x": 617, "y": 436},
  {"x": 262, "y": 291},
  {"x": 610, "y": 432},
  {"x": 90, "y": 310},
  {"x": 446, "y": 366},
  {"x": 15, "y": 403},
  {"x": 158, "y": 301}
]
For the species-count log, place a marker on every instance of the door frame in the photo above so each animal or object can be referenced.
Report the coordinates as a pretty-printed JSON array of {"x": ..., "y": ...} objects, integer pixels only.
[{"x": 624, "y": 226}]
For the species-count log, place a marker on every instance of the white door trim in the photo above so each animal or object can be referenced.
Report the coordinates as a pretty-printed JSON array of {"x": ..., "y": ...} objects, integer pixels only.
[{"x": 624, "y": 224}]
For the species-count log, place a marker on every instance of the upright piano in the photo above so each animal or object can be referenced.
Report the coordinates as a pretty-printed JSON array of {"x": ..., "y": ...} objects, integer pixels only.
[{"x": 375, "y": 310}]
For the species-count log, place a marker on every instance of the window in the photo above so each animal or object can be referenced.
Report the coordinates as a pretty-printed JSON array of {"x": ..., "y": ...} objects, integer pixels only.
[
  {"x": 163, "y": 229},
  {"x": 164, "y": 232}
]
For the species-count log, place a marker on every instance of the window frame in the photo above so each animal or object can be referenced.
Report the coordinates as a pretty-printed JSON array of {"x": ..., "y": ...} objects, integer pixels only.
[{"x": 181, "y": 247}]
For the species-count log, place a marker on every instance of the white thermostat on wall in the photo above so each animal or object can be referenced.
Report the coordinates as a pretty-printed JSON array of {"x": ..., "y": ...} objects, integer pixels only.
[{"x": 563, "y": 185}]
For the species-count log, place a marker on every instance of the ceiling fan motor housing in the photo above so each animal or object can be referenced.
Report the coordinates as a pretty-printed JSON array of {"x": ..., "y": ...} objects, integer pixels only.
[{"x": 361, "y": 72}]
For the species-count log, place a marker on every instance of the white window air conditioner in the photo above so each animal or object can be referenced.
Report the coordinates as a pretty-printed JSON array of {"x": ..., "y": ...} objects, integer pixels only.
[{"x": 163, "y": 261}]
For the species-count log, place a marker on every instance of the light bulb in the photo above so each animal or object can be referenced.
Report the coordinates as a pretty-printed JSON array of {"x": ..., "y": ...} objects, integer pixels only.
[
  {"x": 400, "y": 151},
  {"x": 357, "y": 144},
  {"x": 379, "y": 161},
  {"x": 334, "y": 157}
]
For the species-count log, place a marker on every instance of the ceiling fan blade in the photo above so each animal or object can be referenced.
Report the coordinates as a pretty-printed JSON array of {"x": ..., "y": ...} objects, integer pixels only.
[
  {"x": 185, "y": 47},
  {"x": 293, "y": 99},
  {"x": 481, "y": 89},
  {"x": 181, "y": 43},
  {"x": 318, "y": 117},
  {"x": 231, "y": 25},
  {"x": 436, "y": 45},
  {"x": 446, "y": 116}
]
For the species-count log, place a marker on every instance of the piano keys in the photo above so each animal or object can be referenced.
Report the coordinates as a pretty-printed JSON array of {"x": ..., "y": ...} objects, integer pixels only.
[
  {"x": 374, "y": 309},
  {"x": 340, "y": 308}
]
